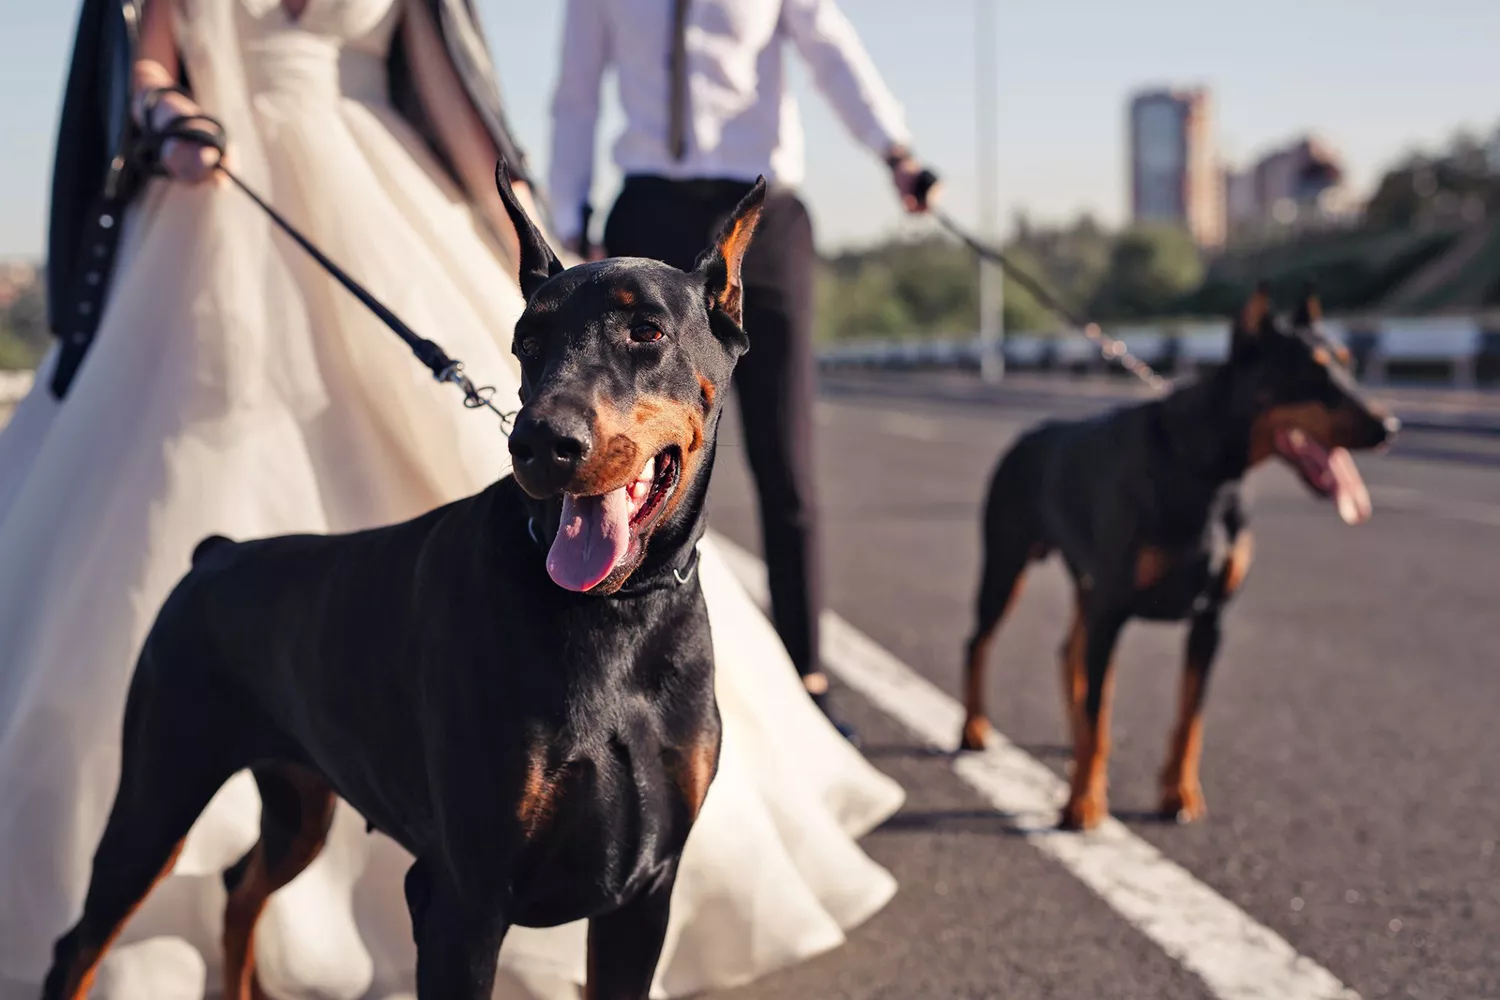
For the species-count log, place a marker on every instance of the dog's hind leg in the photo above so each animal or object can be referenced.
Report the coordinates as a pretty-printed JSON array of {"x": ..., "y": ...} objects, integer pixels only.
[
  {"x": 296, "y": 811},
  {"x": 173, "y": 762},
  {"x": 1007, "y": 553},
  {"x": 1075, "y": 678},
  {"x": 1181, "y": 790}
]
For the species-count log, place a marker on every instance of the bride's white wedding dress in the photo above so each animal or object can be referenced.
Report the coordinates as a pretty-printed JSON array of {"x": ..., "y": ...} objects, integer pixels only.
[{"x": 235, "y": 389}]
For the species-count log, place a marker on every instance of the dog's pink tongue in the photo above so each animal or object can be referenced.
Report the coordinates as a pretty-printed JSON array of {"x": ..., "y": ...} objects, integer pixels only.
[
  {"x": 1349, "y": 491},
  {"x": 593, "y": 535}
]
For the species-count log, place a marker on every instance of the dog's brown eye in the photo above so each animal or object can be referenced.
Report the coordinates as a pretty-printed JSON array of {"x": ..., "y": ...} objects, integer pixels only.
[{"x": 645, "y": 333}]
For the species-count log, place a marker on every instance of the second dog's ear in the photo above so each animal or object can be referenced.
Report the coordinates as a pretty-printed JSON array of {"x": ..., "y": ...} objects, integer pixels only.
[
  {"x": 538, "y": 262},
  {"x": 1250, "y": 323},
  {"x": 720, "y": 264}
]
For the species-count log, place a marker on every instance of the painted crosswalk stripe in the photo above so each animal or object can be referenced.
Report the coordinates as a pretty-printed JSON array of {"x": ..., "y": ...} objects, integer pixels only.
[{"x": 1236, "y": 957}]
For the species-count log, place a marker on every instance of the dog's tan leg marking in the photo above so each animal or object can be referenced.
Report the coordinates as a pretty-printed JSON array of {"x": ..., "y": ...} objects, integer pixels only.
[
  {"x": 263, "y": 875},
  {"x": 1181, "y": 790},
  {"x": 80, "y": 978},
  {"x": 1074, "y": 676},
  {"x": 1088, "y": 797},
  {"x": 976, "y": 730}
]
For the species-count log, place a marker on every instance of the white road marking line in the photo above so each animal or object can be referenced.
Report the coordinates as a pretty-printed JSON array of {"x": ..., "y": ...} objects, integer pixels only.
[{"x": 1236, "y": 957}]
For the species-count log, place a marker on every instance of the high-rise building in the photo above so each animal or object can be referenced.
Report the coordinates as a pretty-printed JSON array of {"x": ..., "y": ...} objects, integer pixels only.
[
  {"x": 1299, "y": 184},
  {"x": 1174, "y": 166}
]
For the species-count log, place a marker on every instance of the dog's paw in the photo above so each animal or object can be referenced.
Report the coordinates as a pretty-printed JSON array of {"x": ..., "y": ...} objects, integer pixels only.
[
  {"x": 1083, "y": 813},
  {"x": 1183, "y": 804},
  {"x": 976, "y": 734}
]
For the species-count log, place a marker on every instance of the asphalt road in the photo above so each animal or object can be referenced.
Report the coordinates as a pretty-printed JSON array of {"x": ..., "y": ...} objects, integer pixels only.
[{"x": 1352, "y": 757}]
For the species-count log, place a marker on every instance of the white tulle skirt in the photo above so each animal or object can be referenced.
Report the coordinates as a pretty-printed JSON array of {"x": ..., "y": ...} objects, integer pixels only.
[{"x": 234, "y": 389}]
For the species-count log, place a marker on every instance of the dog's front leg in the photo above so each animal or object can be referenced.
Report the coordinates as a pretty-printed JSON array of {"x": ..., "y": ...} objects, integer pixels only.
[
  {"x": 1088, "y": 802},
  {"x": 624, "y": 946},
  {"x": 458, "y": 936},
  {"x": 1181, "y": 791}
]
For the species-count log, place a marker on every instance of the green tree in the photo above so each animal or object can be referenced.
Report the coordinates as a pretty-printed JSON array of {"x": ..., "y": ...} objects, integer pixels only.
[
  {"x": 903, "y": 288},
  {"x": 1151, "y": 268},
  {"x": 23, "y": 329}
]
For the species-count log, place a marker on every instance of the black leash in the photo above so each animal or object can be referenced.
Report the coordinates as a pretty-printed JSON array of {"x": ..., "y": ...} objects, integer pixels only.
[
  {"x": 1113, "y": 349},
  {"x": 205, "y": 131}
]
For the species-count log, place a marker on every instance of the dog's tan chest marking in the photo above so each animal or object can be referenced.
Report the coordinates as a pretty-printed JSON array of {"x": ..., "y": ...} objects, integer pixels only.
[
  {"x": 1151, "y": 565},
  {"x": 692, "y": 769},
  {"x": 1237, "y": 566},
  {"x": 540, "y": 791}
]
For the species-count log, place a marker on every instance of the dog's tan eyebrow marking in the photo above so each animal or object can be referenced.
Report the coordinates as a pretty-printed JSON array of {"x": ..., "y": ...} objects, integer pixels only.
[
  {"x": 707, "y": 389},
  {"x": 622, "y": 297},
  {"x": 1322, "y": 357}
]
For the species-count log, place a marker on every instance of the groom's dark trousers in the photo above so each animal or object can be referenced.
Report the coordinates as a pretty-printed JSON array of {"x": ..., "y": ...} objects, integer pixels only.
[{"x": 671, "y": 221}]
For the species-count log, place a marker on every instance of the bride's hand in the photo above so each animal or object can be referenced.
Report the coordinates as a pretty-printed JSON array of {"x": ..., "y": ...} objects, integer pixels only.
[{"x": 189, "y": 162}]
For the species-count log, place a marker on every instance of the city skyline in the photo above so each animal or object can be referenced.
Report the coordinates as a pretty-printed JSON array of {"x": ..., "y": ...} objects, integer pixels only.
[{"x": 1376, "y": 79}]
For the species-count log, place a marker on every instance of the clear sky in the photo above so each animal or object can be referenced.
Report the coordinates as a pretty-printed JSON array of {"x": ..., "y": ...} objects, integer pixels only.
[{"x": 1377, "y": 77}]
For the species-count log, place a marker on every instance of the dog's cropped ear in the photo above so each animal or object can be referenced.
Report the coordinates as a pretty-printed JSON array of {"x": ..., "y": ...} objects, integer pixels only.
[
  {"x": 1250, "y": 323},
  {"x": 1310, "y": 309},
  {"x": 720, "y": 264},
  {"x": 538, "y": 262}
]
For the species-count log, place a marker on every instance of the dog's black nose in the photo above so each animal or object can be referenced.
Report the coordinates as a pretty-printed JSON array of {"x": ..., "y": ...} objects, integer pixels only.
[{"x": 547, "y": 449}]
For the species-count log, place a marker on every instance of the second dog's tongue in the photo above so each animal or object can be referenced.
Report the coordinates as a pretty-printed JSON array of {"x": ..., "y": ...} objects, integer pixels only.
[
  {"x": 593, "y": 535},
  {"x": 1350, "y": 493}
]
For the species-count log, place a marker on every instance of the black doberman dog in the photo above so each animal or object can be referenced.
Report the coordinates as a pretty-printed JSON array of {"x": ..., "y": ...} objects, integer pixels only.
[
  {"x": 517, "y": 687},
  {"x": 1144, "y": 505}
]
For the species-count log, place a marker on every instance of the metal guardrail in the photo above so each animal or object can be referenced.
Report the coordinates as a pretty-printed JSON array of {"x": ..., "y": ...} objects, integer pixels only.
[
  {"x": 1463, "y": 352},
  {"x": 1460, "y": 351}
]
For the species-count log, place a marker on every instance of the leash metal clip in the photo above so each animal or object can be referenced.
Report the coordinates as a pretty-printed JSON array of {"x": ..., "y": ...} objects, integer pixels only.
[
  {"x": 477, "y": 397},
  {"x": 210, "y": 134}
]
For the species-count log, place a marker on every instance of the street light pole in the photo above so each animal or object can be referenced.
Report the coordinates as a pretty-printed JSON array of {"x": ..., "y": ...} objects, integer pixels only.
[{"x": 987, "y": 141}]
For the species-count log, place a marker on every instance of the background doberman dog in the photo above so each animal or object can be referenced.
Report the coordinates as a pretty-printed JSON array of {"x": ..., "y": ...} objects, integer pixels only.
[
  {"x": 517, "y": 687},
  {"x": 1144, "y": 505}
]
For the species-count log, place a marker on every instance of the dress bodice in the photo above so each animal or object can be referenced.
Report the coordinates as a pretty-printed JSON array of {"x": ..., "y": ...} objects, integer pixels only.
[
  {"x": 334, "y": 48},
  {"x": 361, "y": 25}
]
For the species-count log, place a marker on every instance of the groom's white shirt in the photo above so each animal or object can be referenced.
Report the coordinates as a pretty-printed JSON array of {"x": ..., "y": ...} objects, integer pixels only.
[{"x": 741, "y": 121}]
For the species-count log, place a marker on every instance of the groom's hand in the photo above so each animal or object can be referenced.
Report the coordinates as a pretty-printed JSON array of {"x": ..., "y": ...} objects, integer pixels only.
[{"x": 917, "y": 187}]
